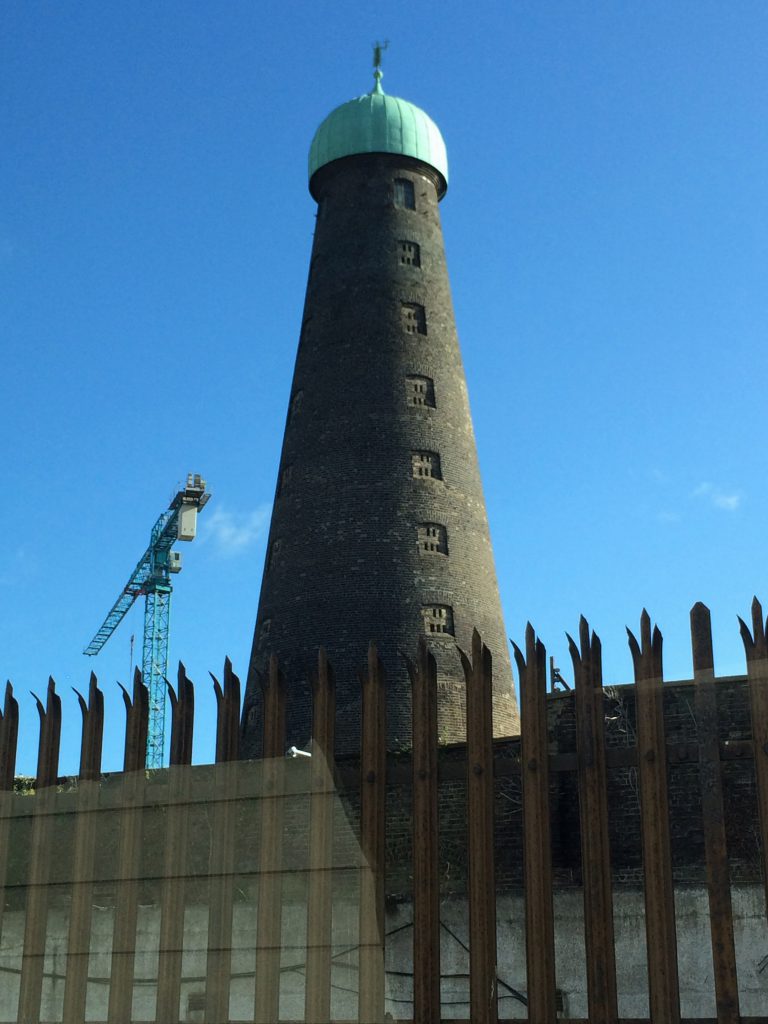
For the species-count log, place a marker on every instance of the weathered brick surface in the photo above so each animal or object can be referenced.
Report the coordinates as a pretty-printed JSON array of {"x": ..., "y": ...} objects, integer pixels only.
[
  {"x": 623, "y": 799},
  {"x": 347, "y": 567}
]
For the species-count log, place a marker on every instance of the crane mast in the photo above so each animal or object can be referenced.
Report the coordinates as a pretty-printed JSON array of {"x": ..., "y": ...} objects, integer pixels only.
[{"x": 152, "y": 578}]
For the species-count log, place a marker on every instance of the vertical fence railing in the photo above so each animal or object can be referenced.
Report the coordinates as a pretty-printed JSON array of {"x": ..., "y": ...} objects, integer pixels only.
[
  {"x": 478, "y": 674},
  {"x": 269, "y": 919},
  {"x": 425, "y": 838},
  {"x": 131, "y": 796},
  {"x": 756, "y": 649},
  {"x": 317, "y": 998},
  {"x": 9, "y": 737},
  {"x": 373, "y": 766},
  {"x": 128, "y": 869},
  {"x": 661, "y": 937},
  {"x": 537, "y": 845},
  {"x": 713, "y": 817},
  {"x": 85, "y": 837},
  {"x": 36, "y": 912},
  {"x": 593, "y": 815},
  {"x": 175, "y": 851},
  {"x": 218, "y": 968}
]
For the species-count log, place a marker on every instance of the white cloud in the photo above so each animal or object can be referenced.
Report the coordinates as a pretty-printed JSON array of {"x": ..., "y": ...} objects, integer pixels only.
[
  {"x": 669, "y": 517},
  {"x": 729, "y": 501},
  {"x": 233, "y": 532}
]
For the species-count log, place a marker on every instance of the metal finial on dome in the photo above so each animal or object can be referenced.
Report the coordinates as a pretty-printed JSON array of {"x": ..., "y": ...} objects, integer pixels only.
[{"x": 378, "y": 74}]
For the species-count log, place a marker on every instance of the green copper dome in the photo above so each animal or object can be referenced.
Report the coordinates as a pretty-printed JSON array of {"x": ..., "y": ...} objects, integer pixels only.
[{"x": 377, "y": 123}]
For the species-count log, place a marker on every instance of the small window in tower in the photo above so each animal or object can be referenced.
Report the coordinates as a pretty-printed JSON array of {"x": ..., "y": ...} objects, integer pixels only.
[
  {"x": 405, "y": 196},
  {"x": 438, "y": 619},
  {"x": 274, "y": 551},
  {"x": 285, "y": 478},
  {"x": 426, "y": 464},
  {"x": 433, "y": 538},
  {"x": 420, "y": 390},
  {"x": 410, "y": 253},
  {"x": 264, "y": 630},
  {"x": 414, "y": 318}
]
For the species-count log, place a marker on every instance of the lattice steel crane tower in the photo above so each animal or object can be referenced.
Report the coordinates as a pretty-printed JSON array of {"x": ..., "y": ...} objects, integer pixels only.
[{"x": 152, "y": 577}]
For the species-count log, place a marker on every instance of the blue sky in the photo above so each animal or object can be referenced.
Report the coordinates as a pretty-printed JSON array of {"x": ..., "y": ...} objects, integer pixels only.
[{"x": 606, "y": 235}]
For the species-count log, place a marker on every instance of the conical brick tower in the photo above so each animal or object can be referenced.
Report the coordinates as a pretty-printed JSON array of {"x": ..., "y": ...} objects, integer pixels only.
[{"x": 379, "y": 529}]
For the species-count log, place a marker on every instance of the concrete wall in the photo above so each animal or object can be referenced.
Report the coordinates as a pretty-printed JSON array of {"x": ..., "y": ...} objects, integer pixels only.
[{"x": 694, "y": 957}]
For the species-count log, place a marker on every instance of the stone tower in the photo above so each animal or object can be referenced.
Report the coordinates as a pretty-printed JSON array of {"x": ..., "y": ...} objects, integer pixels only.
[{"x": 379, "y": 529}]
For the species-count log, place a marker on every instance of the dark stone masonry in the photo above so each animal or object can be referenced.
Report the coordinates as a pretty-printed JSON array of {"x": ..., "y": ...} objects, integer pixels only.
[{"x": 379, "y": 530}]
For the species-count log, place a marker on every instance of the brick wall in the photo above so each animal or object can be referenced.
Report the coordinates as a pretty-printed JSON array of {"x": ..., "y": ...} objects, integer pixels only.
[{"x": 623, "y": 797}]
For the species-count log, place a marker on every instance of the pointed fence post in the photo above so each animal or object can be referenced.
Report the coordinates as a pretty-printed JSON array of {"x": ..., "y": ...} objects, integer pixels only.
[
  {"x": 128, "y": 876},
  {"x": 593, "y": 811},
  {"x": 9, "y": 739},
  {"x": 537, "y": 841},
  {"x": 9, "y": 735},
  {"x": 81, "y": 907},
  {"x": 175, "y": 851},
  {"x": 317, "y": 994},
  {"x": 373, "y": 767},
  {"x": 661, "y": 937},
  {"x": 478, "y": 675},
  {"x": 269, "y": 920},
  {"x": 226, "y": 774},
  {"x": 425, "y": 831},
  {"x": 36, "y": 914},
  {"x": 713, "y": 815},
  {"x": 756, "y": 650}
]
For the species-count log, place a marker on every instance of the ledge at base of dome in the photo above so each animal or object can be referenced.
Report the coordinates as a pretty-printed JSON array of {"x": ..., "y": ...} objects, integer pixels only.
[{"x": 396, "y": 160}]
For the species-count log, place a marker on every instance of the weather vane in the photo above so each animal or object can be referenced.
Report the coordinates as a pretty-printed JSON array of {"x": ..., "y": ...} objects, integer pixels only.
[{"x": 378, "y": 49}]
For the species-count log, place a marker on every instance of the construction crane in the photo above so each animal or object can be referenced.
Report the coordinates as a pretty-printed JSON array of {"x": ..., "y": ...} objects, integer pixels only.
[{"x": 152, "y": 578}]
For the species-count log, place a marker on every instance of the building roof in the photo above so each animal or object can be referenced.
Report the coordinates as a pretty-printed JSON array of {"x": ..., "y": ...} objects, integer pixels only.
[{"x": 377, "y": 123}]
